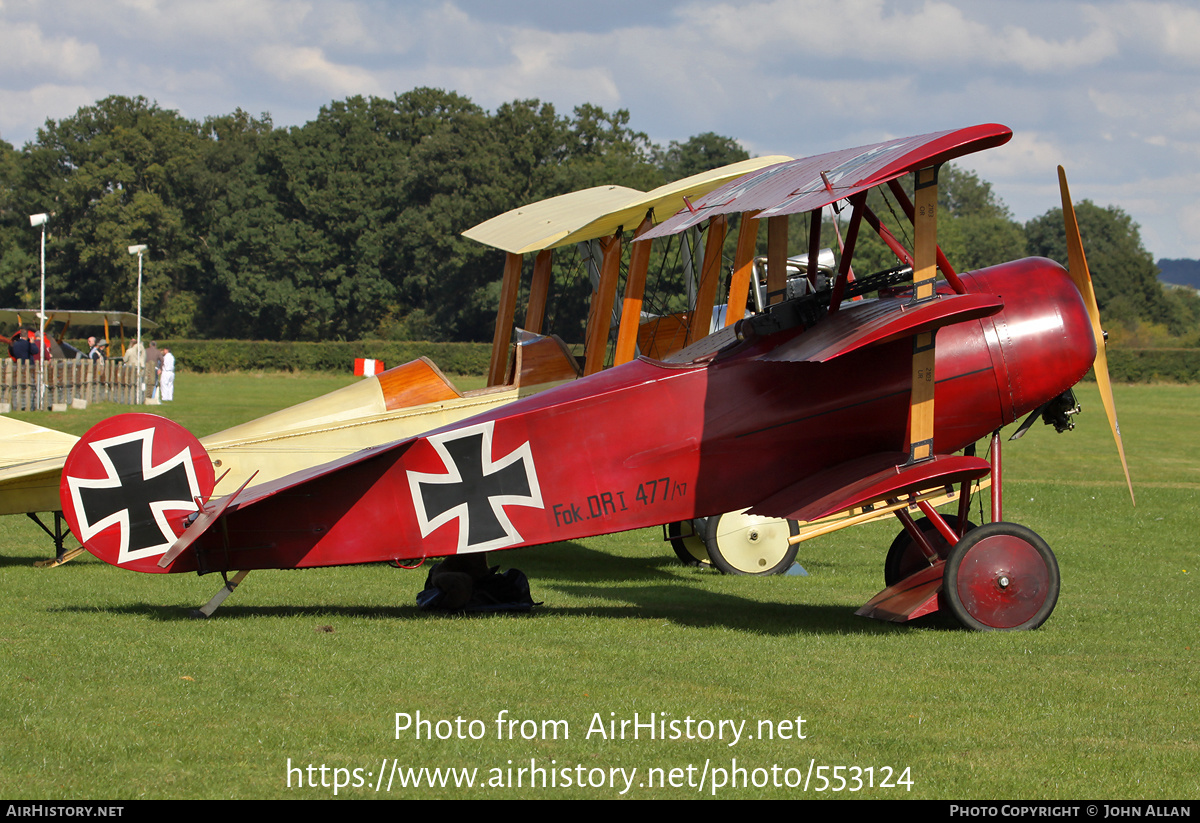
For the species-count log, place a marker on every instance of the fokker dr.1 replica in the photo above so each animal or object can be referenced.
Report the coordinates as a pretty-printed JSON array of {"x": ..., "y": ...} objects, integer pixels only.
[{"x": 821, "y": 404}]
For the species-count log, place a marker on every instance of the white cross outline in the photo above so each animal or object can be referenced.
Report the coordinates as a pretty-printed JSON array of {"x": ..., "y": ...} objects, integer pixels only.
[
  {"x": 522, "y": 453},
  {"x": 149, "y": 472}
]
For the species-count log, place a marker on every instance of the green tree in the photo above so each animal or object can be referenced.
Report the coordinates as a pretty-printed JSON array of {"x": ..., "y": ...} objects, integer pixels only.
[
  {"x": 603, "y": 150},
  {"x": 300, "y": 253},
  {"x": 471, "y": 166},
  {"x": 117, "y": 173},
  {"x": 698, "y": 154},
  {"x": 19, "y": 275},
  {"x": 1123, "y": 272}
]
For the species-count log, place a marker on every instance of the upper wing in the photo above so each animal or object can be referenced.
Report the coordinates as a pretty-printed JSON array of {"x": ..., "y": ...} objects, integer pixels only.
[
  {"x": 598, "y": 212},
  {"x": 18, "y": 317},
  {"x": 544, "y": 224},
  {"x": 813, "y": 182}
]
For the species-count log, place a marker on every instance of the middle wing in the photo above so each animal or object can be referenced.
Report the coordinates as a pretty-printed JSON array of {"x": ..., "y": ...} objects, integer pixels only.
[{"x": 882, "y": 321}]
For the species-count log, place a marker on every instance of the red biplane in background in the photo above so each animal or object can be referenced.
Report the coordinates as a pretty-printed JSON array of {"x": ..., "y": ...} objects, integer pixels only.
[{"x": 816, "y": 406}]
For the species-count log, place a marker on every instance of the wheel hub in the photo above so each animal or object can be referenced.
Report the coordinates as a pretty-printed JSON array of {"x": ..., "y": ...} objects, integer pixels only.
[{"x": 741, "y": 543}]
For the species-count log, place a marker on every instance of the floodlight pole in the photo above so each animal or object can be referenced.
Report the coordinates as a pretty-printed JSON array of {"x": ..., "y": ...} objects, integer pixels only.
[
  {"x": 141, "y": 361},
  {"x": 37, "y": 220}
]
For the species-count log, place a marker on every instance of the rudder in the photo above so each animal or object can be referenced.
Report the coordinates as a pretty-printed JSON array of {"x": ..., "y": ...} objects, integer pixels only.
[{"x": 130, "y": 485}]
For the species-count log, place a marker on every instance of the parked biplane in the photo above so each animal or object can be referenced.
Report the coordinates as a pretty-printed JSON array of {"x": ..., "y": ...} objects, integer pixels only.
[
  {"x": 817, "y": 406},
  {"x": 58, "y": 321},
  {"x": 401, "y": 402}
]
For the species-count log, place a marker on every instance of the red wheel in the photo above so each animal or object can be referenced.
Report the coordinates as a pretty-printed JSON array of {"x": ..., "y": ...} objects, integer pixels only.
[
  {"x": 905, "y": 556},
  {"x": 1001, "y": 576}
]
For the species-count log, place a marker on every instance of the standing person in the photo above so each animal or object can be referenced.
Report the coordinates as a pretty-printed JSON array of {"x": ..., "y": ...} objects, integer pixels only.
[
  {"x": 20, "y": 347},
  {"x": 95, "y": 353},
  {"x": 40, "y": 348},
  {"x": 22, "y": 353},
  {"x": 153, "y": 362},
  {"x": 166, "y": 377}
]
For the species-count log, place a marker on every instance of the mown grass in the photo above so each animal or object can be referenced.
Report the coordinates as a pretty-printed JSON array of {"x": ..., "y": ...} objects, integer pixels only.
[{"x": 108, "y": 690}]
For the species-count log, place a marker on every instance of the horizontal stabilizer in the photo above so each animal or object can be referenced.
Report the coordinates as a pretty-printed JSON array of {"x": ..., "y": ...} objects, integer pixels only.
[
  {"x": 881, "y": 321},
  {"x": 868, "y": 480},
  {"x": 273, "y": 487},
  {"x": 208, "y": 515}
]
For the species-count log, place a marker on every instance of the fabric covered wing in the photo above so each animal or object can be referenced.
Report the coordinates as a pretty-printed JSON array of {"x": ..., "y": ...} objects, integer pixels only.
[
  {"x": 867, "y": 480},
  {"x": 814, "y": 182},
  {"x": 881, "y": 321}
]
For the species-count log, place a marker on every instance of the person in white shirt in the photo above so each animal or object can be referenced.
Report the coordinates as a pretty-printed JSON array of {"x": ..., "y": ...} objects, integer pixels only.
[{"x": 165, "y": 391}]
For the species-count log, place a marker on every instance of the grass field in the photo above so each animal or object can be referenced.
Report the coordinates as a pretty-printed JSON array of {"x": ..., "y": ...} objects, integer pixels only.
[{"x": 108, "y": 690}]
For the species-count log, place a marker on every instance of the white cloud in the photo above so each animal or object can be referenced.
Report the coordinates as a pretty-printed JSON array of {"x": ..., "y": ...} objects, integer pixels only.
[
  {"x": 24, "y": 111},
  {"x": 1188, "y": 224},
  {"x": 25, "y": 50},
  {"x": 882, "y": 33},
  {"x": 310, "y": 66},
  {"x": 1108, "y": 88},
  {"x": 1155, "y": 111}
]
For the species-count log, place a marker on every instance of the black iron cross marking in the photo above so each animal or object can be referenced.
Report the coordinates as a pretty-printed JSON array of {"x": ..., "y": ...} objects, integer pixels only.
[
  {"x": 475, "y": 489},
  {"x": 135, "y": 494}
]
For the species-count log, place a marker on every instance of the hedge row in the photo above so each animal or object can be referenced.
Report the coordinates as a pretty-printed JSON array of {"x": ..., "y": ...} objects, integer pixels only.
[
  {"x": 1154, "y": 365},
  {"x": 326, "y": 356},
  {"x": 1125, "y": 365}
]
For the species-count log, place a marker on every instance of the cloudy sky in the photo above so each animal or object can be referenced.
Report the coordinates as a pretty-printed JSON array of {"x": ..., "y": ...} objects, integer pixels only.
[{"x": 1111, "y": 90}]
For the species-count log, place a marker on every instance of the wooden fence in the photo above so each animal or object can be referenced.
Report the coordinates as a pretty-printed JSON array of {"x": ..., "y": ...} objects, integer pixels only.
[{"x": 110, "y": 381}]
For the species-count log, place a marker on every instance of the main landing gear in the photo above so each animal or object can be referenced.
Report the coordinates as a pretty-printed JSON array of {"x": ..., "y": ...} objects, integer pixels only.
[
  {"x": 1001, "y": 577},
  {"x": 736, "y": 543},
  {"x": 59, "y": 534},
  {"x": 996, "y": 577}
]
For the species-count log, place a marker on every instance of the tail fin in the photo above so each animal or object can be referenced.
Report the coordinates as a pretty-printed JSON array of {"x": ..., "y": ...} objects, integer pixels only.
[{"x": 130, "y": 484}]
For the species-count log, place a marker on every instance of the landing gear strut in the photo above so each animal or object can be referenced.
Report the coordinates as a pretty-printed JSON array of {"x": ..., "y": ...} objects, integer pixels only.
[{"x": 996, "y": 577}]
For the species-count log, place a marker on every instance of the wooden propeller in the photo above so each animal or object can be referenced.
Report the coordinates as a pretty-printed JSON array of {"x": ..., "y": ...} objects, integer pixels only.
[{"x": 1078, "y": 268}]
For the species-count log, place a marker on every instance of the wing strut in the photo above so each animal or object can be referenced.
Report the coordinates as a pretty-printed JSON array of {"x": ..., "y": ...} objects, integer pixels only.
[
  {"x": 504, "y": 319},
  {"x": 887, "y": 237},
  {"x": 942, "y": 262},
  {"x": 920, "y": 416},
  {"x": 743, "y": 269},
  {"x": 635, "y": 292},
  {"x": 858, "y": 204}
]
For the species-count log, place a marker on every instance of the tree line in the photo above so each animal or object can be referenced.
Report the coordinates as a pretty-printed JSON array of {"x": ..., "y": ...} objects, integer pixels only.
[{"x": 349, "y": 226}]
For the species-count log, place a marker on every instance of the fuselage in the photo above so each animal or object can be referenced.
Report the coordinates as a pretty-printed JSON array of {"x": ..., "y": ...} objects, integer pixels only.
[{"x": 650, "y": 442}]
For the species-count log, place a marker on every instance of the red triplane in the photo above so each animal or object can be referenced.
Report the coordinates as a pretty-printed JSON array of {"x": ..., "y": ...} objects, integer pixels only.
[{"x": 818, "y": 405}]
